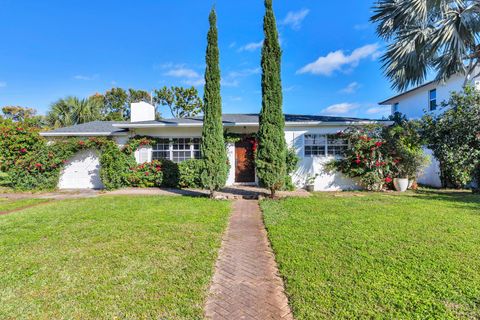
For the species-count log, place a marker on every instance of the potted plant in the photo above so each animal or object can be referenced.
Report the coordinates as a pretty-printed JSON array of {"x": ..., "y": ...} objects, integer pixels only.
[
  {"x": 405, "y": 145},
  {"x": 310, "y": 182}
]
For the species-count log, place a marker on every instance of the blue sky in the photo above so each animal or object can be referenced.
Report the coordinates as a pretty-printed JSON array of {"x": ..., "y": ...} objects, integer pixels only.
[{"x": 51, "y": 49}]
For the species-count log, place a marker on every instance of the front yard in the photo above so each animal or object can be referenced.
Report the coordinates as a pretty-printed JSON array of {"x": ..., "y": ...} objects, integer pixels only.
[
  {"x": 360, "y": 255},
  {"x": 110, "y": 258}
]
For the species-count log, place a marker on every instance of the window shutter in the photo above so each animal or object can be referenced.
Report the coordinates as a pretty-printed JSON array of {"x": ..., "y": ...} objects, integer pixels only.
[{"x": 143, "y": 154}]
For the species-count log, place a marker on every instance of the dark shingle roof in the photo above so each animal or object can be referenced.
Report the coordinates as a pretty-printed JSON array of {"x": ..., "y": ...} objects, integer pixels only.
[
  {"x": 252, "y": 118},
  {"x": 105, "y": 128}
]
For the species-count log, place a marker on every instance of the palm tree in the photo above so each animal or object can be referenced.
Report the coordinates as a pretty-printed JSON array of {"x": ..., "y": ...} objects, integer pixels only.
[
  {"x": 72, "y": 110},
  {"x": 424, "y": 35}
]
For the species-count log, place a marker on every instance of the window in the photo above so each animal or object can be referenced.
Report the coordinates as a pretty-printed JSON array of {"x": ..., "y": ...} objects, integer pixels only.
[
  {"x": 319, "y": 145},
  {"x": 315, "y": 145},
  {"x": 395, "y": 108},
  {"x": 161, "y": 150},
  {"x": 176, "y": 149},
  {"x": 335, "y": 146},
  {"x": 432, "y": 96}
]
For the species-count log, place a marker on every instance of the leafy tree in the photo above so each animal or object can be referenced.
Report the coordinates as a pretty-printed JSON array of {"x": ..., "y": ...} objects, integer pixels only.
[
  {"x": 182, "y": 102},
  {"x": 454, "y": 138},
  {"x": 428, "y": 34},
  {"x": 17, "y": 113},
  {"x": 271, "y": 153},
  {"x": 72, "y": 110},
  {"x": 115, "y": 104},
  {"x": 213, "y": 149}
]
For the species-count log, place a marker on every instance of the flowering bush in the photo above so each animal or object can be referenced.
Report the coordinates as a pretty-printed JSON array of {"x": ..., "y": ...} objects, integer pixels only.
[
  {"x": 189, "y": 173},
  {"x": 365, "y": 159},
  {"x": 146, "y": 175}
]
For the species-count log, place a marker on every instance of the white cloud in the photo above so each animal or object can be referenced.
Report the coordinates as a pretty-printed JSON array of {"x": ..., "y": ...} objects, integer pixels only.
[
  {"x": 3, "y": 84},
  {"x": 351, "y": 88},
  {"x": 194, "y": 82},
  {"x": 294, "y": 19},
  {"x": 232, "y": 79},
  {"x": 182, "y": 72},
  {"x": 338, "y": 60},
  {"x": 85, "y": 78},
  {"x": 362, "y": 26},
  {"x": 187, "y": 75},
  {"x": 289, "y": 88},
  {"x": 252, "y": 46},
  {"x": 339, "y": 109},
  {"x": 380, "y": 111},
  {"x": 232, "y": 45}
]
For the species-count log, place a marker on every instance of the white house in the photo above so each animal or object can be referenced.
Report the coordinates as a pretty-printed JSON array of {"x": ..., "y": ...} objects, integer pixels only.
[
  {"x": 427, "y": 98},
  {"x": 313, "y": 138}
]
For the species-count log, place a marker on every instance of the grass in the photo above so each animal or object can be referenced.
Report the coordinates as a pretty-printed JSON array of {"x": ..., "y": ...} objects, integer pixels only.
[
  {"x": 8, "y": 205},
  {"x": 110, "y": 258},
  {"x": 389, "y": 256}
]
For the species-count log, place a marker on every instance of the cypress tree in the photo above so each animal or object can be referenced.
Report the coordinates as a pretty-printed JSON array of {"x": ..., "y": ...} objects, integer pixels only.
[
  {"x": 271, "y": 153},
  {"x": 214, "y": 174}
]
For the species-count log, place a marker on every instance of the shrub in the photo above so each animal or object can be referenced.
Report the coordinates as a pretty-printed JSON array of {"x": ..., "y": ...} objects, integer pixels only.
[
  {"x": 454, "y": 138},
  {"x": 292, "y": 161},
  {"x": 190, "y": 173},
  {"x": 4, "y": 179},
  {"x": 365, "y": 159},
  {"x": 146, "y": 175},
  {"x": 171, "y": 175},
  {"x": 403, "y": 142}
]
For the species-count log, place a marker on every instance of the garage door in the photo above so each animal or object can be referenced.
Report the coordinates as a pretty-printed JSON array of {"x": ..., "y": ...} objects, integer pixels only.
[{"x": 82, "y": 171}]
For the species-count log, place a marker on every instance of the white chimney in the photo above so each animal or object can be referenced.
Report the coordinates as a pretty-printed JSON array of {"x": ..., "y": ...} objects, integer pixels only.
[{"x": 142, "y": 111}]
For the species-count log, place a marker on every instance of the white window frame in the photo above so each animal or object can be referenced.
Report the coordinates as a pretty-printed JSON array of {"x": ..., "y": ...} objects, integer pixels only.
[
  {"x": 395, "y": 107},
  {"x": 430, "y": 100},
  {"x": 322, "y": 137},
  {"x": 171, "y": 149}
]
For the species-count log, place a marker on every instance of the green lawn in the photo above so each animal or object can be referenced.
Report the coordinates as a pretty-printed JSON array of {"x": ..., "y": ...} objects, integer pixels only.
[
  {"x": 110, "y": 258},
  {"x": 7, "y": 204},
  {"x": 360, "y": 255}
]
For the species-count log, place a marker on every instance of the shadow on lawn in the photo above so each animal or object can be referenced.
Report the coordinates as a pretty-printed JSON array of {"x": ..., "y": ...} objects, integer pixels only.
[{"x": 463, "y": 199}]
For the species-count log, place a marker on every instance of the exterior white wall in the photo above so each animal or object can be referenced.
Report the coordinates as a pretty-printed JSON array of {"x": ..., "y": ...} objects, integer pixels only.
[
  {"x": 142, "y": 111},
  {"x": 82, "y": 171},
  {"x": 231, "y": 161},
  {"x": 309, "y": 166},
  {"x": 431, "y": 174},
  {"x": 415, "y": 104}
]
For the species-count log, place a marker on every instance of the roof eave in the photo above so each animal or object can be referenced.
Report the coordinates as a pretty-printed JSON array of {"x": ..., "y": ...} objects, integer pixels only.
[
  {"x": 82, "y": 134},
  {"x": 248, "y": 124}
]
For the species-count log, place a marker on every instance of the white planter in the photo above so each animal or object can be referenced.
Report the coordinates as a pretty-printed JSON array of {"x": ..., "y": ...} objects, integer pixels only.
[
  {"x": 400, "y": 184},
  {"x": 410, "y": 183}
]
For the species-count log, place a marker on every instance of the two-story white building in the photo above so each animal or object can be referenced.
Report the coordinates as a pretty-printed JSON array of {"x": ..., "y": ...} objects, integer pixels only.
[{"x": 414, "y": 103}]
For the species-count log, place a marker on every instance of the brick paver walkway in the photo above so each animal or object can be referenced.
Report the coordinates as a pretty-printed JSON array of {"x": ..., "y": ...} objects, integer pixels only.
[{"x": 246, "y": 284}]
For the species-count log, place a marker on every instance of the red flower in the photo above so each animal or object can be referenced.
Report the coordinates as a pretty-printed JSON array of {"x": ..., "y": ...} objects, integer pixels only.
[
  {"x": 396, "y": 161},
  {"x": 158, "y": 168},
  {"x": 378, "y": 143},
  {"x": 377, "y": 164},
  {"x": 388, "y": 179},
  {"x": 81, "y": 143},
  {"x": 357, "y": 161},
  {"x": 23, "y": 150},
  {"x": 147, "y": 173},
  {"x": 38, "y": 165}
]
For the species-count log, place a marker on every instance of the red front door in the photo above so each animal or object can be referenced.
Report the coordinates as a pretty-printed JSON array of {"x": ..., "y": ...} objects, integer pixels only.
[{"x": 244, "y": 162}]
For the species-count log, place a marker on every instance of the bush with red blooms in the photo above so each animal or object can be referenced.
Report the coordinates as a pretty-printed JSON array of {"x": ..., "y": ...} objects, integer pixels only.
[
  {"x": 365, "y": 159},
  {"x": 146, "y": 175}
]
